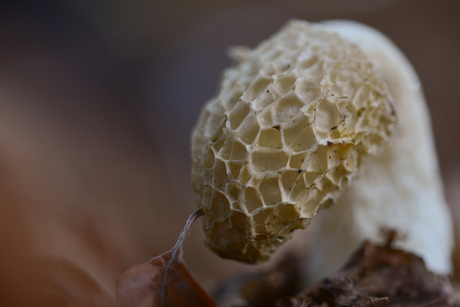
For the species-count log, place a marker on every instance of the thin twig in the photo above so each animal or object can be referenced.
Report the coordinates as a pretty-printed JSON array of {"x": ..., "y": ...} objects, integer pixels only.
[{"x": 176, "y": 249}]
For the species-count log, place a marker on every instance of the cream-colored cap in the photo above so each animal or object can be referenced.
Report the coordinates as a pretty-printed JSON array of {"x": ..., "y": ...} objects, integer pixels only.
[{"x": 289, "y": 127}]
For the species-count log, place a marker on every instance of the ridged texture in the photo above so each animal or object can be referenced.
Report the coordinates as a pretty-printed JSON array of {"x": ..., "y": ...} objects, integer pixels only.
[{"x": 288, "y": 128}]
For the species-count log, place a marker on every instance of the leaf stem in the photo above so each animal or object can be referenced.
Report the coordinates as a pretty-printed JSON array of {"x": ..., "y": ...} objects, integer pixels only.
[{"x": 178, "y": 248}]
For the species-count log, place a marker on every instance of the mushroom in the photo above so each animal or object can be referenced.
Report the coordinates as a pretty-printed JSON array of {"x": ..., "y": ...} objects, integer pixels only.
[{"x": 319, "y": 115}]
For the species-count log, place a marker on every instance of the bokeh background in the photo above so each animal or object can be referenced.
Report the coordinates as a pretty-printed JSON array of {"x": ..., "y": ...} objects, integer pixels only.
[{"x": 98, "y": 98}]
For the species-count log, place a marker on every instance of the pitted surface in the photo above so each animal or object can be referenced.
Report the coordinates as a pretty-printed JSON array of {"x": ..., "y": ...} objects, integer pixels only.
[{"x": 287, "y": 130}]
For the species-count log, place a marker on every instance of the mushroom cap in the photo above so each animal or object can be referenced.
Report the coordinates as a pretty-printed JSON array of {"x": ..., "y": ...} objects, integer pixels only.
[{"x": 291, "y": 124}]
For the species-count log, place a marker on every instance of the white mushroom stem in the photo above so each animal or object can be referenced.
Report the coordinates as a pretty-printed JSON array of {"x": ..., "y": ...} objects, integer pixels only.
[{"x": 400, "y": 189}]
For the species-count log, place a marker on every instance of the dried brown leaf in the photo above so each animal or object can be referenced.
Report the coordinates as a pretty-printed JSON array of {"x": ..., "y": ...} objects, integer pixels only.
[
  {"x": 143, "y": 285},
  {"x": 163, "y": 281},
  {"x": 379, "y": 276}
]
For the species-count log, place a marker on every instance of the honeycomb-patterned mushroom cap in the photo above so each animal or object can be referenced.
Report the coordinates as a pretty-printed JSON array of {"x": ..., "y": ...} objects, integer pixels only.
[{"x": 288, "y": 128}]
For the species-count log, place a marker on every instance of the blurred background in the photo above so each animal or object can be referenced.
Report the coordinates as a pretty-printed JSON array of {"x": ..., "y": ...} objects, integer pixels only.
[{"x": 98, "y": 98}]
